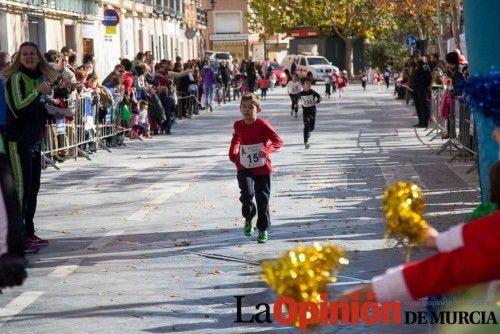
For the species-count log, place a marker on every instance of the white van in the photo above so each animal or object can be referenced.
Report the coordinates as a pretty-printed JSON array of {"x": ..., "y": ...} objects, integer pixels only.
[{"x": 316, "y": 67}]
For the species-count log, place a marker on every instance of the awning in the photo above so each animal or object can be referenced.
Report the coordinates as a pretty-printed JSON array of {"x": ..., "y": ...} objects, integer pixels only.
[{"x": 219, "y": 43}]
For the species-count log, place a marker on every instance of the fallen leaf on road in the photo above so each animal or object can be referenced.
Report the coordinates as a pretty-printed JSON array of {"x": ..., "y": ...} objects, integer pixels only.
[
  {"x": 198, "y": 274},
  {"x": 215, "y": 272},
  {"x": 183, "y": 243}
]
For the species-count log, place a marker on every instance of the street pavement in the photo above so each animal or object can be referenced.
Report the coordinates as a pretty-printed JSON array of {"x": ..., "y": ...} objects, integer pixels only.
[{"x": 148, "y": 238}]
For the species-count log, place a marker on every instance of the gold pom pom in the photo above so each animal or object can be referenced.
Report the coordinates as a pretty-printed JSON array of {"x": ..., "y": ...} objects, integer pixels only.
[
  {"x": 304, "y": 272},
  {"x": 403, "y": 208}
]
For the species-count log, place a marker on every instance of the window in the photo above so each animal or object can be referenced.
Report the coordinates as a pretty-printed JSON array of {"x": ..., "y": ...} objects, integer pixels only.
[
  {"x": 303, "y": 62},
  {"x": 228, "y": 23},
  {"x": 317, "y": 61}
]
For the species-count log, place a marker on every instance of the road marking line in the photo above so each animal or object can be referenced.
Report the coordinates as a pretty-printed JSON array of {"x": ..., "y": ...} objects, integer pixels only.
[
  {"x": 71, "y": 265},
  {"x": 63, "y": 271},
  {"x": 18, "y": 304}
]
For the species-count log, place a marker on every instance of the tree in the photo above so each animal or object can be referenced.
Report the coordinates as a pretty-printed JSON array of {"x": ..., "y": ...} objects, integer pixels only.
[
  {"x": 386, "y": 51},
  {"x": 351, "y": 20}
]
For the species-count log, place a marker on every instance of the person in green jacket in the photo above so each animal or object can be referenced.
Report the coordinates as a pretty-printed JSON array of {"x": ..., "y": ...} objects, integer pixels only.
[{"x": 27, "y": 82}]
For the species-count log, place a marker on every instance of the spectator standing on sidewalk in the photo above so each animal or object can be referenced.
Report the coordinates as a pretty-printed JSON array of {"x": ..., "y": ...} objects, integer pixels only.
[
  {"x": 225, "y": 76},
  {"x": 208, "y": 79},
  {"x": 12, "y": 262},
  {"x": 421, "y": 82},
  {"x": 27, "y": 84},
  {"x": 4, "y": 63},
  {"x": 254, "y": 139}
]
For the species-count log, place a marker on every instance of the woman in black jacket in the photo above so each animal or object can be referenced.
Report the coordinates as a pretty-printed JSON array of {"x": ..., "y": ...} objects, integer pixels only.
[{"x": 28, "y": 81}]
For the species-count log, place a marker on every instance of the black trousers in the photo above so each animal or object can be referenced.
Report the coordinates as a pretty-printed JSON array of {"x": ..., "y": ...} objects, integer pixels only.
[
  {"x": 295, "y": 102},
  {"x": 327, "y": 89},
  {"x": 309, "y": 118},
  {"x": 26, "y": 165},
  {"x": 259, "y": 186},
  {"x": 422, "y": 106},
  {"x": 387, "y": 81}
]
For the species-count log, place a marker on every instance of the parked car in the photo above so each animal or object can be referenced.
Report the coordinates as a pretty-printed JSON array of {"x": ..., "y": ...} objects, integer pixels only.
[
  {"x": 279, "y": 72},
  {"x": 218, "y": 56},
  {"x": 315, "y": 67}
]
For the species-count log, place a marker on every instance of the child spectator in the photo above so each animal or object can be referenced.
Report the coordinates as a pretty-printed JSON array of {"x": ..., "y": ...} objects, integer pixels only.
[
  {"x": 253, "y": 141},
  {"x": 143, "y": 119}
]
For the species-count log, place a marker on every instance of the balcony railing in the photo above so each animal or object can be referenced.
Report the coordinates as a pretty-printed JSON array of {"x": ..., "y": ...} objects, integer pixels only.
[
  {"x": 201, "y": 16},
  {"x": 85, "y": 7}
]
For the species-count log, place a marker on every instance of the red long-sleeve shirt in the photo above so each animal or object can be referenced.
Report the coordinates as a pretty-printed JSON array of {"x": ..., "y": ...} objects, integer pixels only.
[
  {"x": 259, "y": 132},
  {"x": 470, "y": 254}
]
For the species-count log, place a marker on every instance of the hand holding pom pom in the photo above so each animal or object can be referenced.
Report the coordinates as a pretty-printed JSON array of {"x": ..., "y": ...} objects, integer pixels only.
[{"x": 403, "y": 208}]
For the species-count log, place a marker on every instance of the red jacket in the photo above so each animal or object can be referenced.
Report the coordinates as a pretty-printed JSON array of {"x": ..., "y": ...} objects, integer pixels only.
[
  {"x": 128, "y": 81},
  {"x": 470, "y": 254},
  {"x": 258, "y": 132}
]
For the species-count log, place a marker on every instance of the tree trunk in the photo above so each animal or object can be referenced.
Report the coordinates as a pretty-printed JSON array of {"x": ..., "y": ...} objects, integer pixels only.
[
  {"x": 455, "y": 22},
  {"x": 348, "y": 56},
  {"x": 420, "y": 29}
]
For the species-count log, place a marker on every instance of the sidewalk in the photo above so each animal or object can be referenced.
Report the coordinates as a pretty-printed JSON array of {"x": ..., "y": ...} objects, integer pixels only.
[{"x": 148, "y": 239}]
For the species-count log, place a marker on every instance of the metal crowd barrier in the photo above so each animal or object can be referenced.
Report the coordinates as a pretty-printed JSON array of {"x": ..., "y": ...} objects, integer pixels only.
[
  {"x": 89, "y": 127},
  {"x": 461, "y": 132},
  {"x": 438, "y": 122}
]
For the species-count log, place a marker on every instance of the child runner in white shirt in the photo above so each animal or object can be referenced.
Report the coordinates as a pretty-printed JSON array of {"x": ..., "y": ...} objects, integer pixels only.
[{"x": 294, "y": 87}]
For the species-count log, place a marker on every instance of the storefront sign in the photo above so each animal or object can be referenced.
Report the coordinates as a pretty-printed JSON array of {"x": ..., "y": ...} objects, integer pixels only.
[
  {"x": 228, "y": 37},
  {"x": 303, "y": 32}
]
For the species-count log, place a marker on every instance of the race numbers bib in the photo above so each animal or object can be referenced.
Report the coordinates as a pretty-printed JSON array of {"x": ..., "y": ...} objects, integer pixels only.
[
  {"x": 307, "y": 101},
  {"x": 249, "y": 156}
]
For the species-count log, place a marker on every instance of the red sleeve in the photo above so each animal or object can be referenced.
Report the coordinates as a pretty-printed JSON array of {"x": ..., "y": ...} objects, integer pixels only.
[
  {"x": 273, "y": 137},
  {"x": 475, "y": 230},
  {"x": 447, "y": 272},
  {"x": 235, "y": 146}
]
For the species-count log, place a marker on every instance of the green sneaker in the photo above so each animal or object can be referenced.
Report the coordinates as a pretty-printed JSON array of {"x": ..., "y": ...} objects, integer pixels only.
[
  {"x": 248, "y": 228},
  {"x": 307, "y": 145},
  {"x": 262, "y": 238},
  {"x": 296, "y": 115}
]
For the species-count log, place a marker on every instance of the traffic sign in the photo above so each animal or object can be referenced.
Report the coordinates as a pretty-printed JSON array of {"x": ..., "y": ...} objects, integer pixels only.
[
  {"x": 190, "y": 33},
  {"x": 111, "y": 18},
  {"x": 411, "y": 41}
]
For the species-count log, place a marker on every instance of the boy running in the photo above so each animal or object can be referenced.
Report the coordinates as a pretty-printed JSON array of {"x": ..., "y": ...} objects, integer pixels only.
[
  {"x": 253, "y": 141},
  {"x": 308, "y": 98}
]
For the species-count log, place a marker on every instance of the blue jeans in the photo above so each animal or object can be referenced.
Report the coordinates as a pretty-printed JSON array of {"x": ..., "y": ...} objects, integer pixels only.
[{"x": 209, "y": 94}]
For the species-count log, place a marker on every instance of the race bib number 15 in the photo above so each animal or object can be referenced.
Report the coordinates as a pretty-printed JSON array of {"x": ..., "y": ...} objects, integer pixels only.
[{"x": 249, "y": 156}]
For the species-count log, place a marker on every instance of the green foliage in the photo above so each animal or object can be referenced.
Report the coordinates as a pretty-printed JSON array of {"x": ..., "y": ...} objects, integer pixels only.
[{"x": 386, "y": 51}]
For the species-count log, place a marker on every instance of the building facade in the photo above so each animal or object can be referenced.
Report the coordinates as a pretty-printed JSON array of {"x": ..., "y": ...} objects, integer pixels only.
[
  {"x": 158, "y": 26},
  {"x": 227, "y": 27}
]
